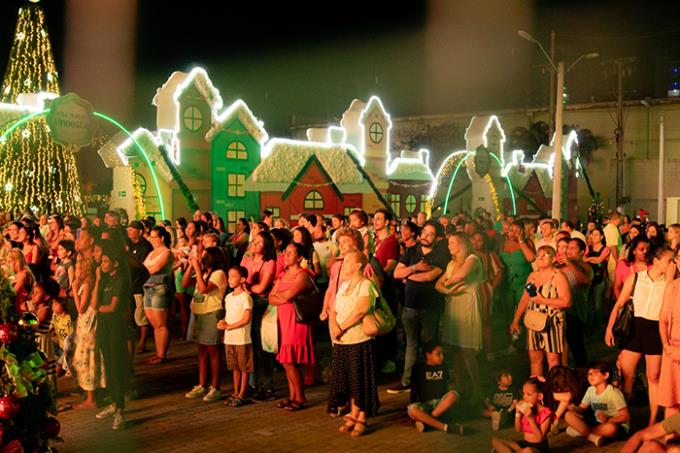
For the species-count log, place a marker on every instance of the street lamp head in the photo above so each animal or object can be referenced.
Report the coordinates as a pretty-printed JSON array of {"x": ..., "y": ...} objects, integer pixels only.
[
  {"x": 591, "y": 55},
  {"x": 524, "y": 35}
]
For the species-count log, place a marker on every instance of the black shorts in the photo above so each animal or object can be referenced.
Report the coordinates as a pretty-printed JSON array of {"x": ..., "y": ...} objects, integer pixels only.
[
  {"x": 645, "y": 338},
  {"x": 543, "y": 447}
]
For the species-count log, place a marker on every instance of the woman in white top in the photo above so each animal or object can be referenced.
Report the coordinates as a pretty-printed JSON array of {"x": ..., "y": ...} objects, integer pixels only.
[
  {"x": 206, "y": 310},
  {"x": 646, "y": 288},
  {"x": 353, "y": 363}
]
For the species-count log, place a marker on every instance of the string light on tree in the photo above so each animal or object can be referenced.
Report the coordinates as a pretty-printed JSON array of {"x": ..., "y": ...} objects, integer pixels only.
[{"x": 31, "y": 69}]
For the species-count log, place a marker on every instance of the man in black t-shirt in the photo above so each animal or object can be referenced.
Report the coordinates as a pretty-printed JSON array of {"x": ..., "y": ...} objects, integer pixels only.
[
  {"x": 420, "y": 267},
  {"x": 139, "y": 248}
]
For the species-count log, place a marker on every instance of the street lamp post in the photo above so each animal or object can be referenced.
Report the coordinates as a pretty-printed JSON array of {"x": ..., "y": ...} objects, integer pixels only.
[{"x": 559, "y": 100}]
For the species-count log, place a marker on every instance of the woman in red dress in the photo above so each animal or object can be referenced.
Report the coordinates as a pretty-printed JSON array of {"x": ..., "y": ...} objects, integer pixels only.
[{"x": 295, "y": 339}]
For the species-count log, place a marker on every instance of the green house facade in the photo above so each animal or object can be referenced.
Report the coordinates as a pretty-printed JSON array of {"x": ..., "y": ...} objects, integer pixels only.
[{"x": 236, "y": 140}]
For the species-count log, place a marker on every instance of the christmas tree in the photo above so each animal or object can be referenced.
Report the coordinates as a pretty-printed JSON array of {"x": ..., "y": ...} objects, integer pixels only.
[
  {"x": 35, "y": 173},
  {"x": 26, "y": 398}
]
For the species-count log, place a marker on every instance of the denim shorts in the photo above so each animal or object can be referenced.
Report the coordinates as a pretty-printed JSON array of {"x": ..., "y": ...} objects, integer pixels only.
[{"x": 157, "y": 297}]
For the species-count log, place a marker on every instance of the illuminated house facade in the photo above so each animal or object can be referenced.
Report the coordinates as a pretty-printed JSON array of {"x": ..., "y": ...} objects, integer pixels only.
[{"x": 232, "y": 166}]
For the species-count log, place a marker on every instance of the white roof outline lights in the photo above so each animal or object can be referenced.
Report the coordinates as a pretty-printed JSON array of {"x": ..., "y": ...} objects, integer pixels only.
[
  {"x": 423, "y": 158},
  {"x": 267, "y": 148},
  {"x": 490, "y": 121},
  {"x": 518, "y": 156},
  {"x": 129, "y": 142},
  {"x": 339, "y": 129},
  {"x": 254, "y": 125},
  {"x": 372, "y": 102},
  {"x": 173, "y": 88}
]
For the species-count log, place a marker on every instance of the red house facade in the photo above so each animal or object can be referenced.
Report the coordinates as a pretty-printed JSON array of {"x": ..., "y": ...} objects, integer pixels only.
[{"x": 311, "y": 177}]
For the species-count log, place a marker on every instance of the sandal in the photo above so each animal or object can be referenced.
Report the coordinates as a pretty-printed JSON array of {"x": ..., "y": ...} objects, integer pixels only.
[
  {"x": 348, "y": 425},
  {"x": 284, "y": 404},
  {"x": 294, "y": 406},
  {"x": 359, "y": 428},
  {"x": 155, "y": 360},
  {"x": 238, "y": 402}
]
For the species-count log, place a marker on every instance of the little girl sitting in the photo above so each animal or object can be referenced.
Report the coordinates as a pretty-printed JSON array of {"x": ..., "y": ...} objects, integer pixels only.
[{"x": 532, "y": 418}]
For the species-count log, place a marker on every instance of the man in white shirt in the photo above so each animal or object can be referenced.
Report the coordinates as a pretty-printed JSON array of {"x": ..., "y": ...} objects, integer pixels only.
[{"x": 568, "y": 226}]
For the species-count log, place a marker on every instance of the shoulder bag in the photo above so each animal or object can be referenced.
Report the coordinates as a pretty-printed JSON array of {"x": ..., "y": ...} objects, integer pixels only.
[
  {"x": 308, "y": 305},
  {"x": 381, "y": 320},
  {"x": 623, "y": 327}
]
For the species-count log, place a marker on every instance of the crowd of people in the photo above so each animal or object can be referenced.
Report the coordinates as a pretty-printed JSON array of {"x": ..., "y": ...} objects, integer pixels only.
[{"x": 465, "y": 288}]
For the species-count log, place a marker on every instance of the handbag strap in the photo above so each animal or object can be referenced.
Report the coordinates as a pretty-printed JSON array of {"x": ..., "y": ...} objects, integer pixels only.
[{"x": 632, "y": 292}]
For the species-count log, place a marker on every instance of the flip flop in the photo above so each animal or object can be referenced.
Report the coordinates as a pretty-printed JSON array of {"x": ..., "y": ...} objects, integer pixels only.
[
  {"x": 294, "y": 407},
  {"x": 283, "y": 404}
]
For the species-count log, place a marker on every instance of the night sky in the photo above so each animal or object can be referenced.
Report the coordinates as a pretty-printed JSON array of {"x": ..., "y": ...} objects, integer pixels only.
[{"x": 305, "y": 60}]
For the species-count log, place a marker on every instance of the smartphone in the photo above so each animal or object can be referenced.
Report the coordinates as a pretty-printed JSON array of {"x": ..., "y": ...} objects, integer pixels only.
[{"x": 531, "y": 289}]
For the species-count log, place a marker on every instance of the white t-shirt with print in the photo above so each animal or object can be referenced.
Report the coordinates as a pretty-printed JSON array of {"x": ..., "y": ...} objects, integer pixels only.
[
  {"x": 611, "y": 401},
  {"x": 235, "y": 306},
  {"x": 345, "y": 306}
]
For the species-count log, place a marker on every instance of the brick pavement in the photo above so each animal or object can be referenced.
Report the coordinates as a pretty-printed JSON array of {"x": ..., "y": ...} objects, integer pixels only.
[{"x": 161, "y": 419}]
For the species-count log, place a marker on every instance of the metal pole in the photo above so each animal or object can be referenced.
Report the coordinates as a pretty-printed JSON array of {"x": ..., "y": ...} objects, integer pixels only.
[
  {"x": 551, "y": 101},
  {"x": 557, "y": 146},
  {"x": 661, "y": 216},
  {"x": 619, "y": 133}
]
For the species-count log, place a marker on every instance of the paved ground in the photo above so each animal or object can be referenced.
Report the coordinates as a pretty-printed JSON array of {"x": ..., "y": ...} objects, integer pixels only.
[{"x": 161, "y": 419}]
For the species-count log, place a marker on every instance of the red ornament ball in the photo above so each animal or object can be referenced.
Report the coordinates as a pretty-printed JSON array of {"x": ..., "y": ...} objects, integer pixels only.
[
  {"x": 9, "y": 407},
  {"x": 51, "y": 427},
  {"x": 8, "y": 333}
]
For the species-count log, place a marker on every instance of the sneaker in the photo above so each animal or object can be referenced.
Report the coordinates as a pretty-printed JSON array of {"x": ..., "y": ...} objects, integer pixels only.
[
  {"x": 106, "y": 412},
  {"x": 598, "y": 441},
  {"x": 399, "y": 388},
  {"x": 196, "y": 392},
  {"x": 571, "y": 432},
  {"x": 420, "y": 426},
  {"x": 388, "y": 367},
  {"x": 118, "y": 421},
  {"x": 212, "y": 395}
]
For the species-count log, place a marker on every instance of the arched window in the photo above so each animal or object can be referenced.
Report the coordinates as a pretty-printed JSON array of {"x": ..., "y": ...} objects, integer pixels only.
[
  {"x": 193, "y": 118},
  {"x": 410, "y": 203},
  {"x": 313, "y": 200},
  {"x": 376, "y": 132},
  {"x": 237, "y": 150}
]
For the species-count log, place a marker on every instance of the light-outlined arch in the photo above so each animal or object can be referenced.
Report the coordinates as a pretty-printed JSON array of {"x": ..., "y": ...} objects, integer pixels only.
[
  {"x": 142, "y": 153},
  {"x": 467, "y": 154}
]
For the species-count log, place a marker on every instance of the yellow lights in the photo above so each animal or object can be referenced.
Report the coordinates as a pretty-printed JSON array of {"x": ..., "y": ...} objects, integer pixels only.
[{"x": 35, "y": 171}]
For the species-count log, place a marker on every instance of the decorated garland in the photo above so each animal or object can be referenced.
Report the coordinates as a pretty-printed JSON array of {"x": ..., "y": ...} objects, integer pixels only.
[
  {"x": 193, "y": 206},
  {"x": 26, "y": 398},
  {"x": 140, "y": 208},
  {"x": 494, "y": 195}
]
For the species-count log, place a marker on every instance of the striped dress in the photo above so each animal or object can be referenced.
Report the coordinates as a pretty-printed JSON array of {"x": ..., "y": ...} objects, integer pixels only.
[{"x": 552, "y": 338}]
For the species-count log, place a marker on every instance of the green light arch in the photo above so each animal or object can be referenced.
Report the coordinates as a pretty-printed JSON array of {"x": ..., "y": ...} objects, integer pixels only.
[
  {"x": 455, "y": 174},
  {"x": 30, "y": 116}
]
